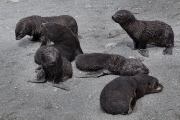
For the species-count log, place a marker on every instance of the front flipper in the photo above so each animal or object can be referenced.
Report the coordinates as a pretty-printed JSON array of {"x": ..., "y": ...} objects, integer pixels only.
[
  {"x": 38, "y": 68},
  {"x": 135, "y": 47},
  {"x": 132, "y": 103},
  {"x": 37, "y": 81},
  {"x": 61, "y": 86},
  {"x": 144, "y": 52},
  {"x": 40, "y": 78},
  {"x": 34, "y": 39},
  {"x": 167, "y": 51},
  {"x": 96, "y": 74}
]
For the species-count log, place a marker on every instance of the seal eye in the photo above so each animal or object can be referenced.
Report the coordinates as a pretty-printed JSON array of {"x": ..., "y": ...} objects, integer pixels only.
[
  {"x": 120, "y": 16},
  {"x": 148, "y": 84}
]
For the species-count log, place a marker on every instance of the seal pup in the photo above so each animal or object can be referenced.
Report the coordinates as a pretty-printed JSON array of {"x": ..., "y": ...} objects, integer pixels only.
[
  {"x": 31, "y": 25},
  {"x": 145, "y": 32},
  {"x": 53, "y": 67},
  {"x": 105, "y": 64},
  {"x": 64, "y": 40},
  {"x": 120, "y": 95}
]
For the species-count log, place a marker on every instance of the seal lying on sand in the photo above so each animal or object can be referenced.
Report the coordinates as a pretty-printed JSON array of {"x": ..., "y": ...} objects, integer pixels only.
[
  {"x": 119, "y": 96},
  {"x": 145, "y": 32},
  {"x": 53, "y": 68},
  {"x": 105, "y": 64},
  {"x": 64, "y": 40},
  {"x": 31, "y": 25}
]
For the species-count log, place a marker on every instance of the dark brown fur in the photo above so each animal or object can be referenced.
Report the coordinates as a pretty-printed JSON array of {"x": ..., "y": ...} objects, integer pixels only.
[
  {"x": 31, "y": 25},
  {"x": 110, "y": 64},
  {"x": 54, "y": 67},
  {"x": 145, "y": 32},
  {"x": 64, "y": 40},
  {"x": 119, "y": 96}
]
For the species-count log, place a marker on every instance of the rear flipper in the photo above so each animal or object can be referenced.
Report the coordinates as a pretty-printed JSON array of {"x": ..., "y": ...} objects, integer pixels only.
[
  {"x": 61, "y": 86},
  {"x": 96, "y": 74},
  {"x": 38, "y": 68},
  {"x": 167, "y": 51},
  {"x": 144, "y": 52}
]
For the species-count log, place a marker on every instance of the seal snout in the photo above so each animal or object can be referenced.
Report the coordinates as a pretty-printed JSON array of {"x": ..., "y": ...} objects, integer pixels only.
[
  {"x": 159, "y": 88},
  {"x": 114, "y": 17}
]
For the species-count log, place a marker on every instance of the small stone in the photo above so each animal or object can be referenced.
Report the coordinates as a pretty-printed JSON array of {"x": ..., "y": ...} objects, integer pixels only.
[
  {"x": 15, "y": 1},
  {"x": 110, "y": 45},
  {"x": 55, "y": 90},
  {"x": 88, "y": 6},
  {"x": 90, "y": 96},
  {"x": 132, "y": 57}
]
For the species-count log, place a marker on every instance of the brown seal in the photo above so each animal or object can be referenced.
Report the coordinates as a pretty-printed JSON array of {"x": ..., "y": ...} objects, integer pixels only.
[
  {"x": 53, "y": 67},
  {"x": 64, "y": 40},
  {"x": 145, "y": 32},
  {"x": 104, "y": 64},
  {"x": 31, "y": 25},
  {"x": 119, "y": 96}
]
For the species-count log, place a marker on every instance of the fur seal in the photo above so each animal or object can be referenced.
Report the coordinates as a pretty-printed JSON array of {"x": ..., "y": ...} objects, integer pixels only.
[
  {"x": 104, "y": 64},
  {"x": 31, "y": 25},
  {"x": 64, "y": 40},
  {"x": 145, "y": 32},
  {"x": 119, "y": 96},
  {"x": 53, "y": 67}
]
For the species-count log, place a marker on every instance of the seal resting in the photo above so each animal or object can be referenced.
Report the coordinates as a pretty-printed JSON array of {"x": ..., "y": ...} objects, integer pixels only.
[
  {"x": 53, "y": 67},
  {"x": 64, "y": 40},
  {"x": 31, "y": 25},
  {"x": 119, "y": 96},
  {"x": 145, "y": 32},
  {"x": 104, "y": 64}
]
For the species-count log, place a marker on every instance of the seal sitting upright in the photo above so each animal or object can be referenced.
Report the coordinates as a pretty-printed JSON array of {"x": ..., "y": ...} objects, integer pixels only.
[
  {"x": 64, "y": 40},
  {"x": 145, "y": 32},
  {"x": 104, "y": 64},
  {"x": 53, "y": 67},
  {"x": 119, "y": 96}
]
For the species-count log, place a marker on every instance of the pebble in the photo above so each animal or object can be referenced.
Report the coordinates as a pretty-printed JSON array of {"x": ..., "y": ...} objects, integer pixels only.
[
  {"x": 88, "y": 6},
  {"x": 110, "y": 45},
  {"x": 12, "y": 1},
  {"x": 55, "y": 90}
]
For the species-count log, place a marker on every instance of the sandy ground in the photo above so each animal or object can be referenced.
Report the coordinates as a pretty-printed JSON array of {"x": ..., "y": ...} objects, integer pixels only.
[{"x": 20, "y": 100}]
